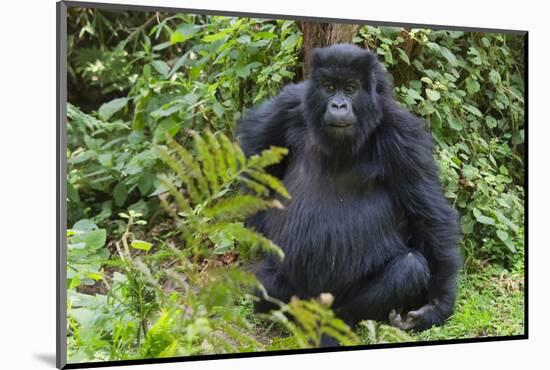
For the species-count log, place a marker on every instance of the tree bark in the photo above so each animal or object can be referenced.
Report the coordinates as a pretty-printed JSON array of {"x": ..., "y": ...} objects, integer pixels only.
[{"x": 317, "y": 35}]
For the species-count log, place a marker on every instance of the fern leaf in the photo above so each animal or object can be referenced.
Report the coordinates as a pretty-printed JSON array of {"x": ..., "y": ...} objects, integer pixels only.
[
  {"x": 192, "y": 165},
  {"x": 217, "y": 150},
  {"x": 207, "y": 159},
  {"x": 238, "y": 206},
  {"x": 269, "y": 180},
  {"x": 238, "y": 336},
  {"x": 182, "y": 203},
  {"x": 159, "y": 337},
  {"x": 267, "y": 157},
  {"x": 169, "y": 351},
  {"x": 229, "y": 149},
  {"x": 182, "y": 174},
  {"x": 247, "y": 237},
  {"x": 256, "y": 187}
]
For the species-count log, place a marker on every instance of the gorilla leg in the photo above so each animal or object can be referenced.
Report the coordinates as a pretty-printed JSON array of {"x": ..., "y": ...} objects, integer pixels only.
[
  {"x": 401, "y": 285},
  {"x": 276, "y": 286}
]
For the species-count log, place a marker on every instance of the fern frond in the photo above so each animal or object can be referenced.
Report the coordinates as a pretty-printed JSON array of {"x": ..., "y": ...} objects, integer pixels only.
[
  {"x": 182, "y": 174},
  {"x": 255, "y": 186},
  {"x": 236, "y": 335},
  {"x": 183, "y": 204},
  {"x": 159, "y": 339},
  {"x": 247, "y": 238},
  {"x": 192, "y": 165},
  {"x": 268, "y": 157},
  {"x": 231, "y": 155},
  {"x": 213, "y": 200},
  {"x": 206, "y": 157},
  {"x": 170, "y": 350},
  {"x": 269, "y": 180},
  {"x": 217, "y": 150},
  {"x": 238, "y": 206}
]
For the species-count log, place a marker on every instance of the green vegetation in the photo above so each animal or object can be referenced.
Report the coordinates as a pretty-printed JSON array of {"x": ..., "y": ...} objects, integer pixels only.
[{"x": 158, "y": 254}]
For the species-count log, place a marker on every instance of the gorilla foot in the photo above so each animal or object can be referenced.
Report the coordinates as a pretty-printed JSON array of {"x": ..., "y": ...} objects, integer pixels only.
[
  {"x": 328, "y": 341},
  {"x": 414, "y": 320}
]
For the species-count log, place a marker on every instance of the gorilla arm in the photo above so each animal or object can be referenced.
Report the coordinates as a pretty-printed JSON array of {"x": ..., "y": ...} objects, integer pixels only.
[
  {"x": 268, "y": 124},
  {"x": 435, "y": 229}
]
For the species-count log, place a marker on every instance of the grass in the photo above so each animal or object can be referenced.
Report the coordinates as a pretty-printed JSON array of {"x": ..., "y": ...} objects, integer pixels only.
[{"x": 490, "y": 303}]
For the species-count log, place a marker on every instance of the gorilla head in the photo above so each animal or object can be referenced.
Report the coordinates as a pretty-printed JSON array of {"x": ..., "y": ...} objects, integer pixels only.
[{"x": 342, "y": 99}]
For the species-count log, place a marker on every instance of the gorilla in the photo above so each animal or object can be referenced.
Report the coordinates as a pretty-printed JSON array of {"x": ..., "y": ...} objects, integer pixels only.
[{"x": 367, "y": 221}]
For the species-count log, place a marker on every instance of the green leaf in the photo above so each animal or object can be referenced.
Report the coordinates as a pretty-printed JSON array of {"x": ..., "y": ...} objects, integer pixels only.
[
  {"x": 162, "y": 46},
  {"x": 245, "y": 39},
  {"x": 145, "y": 183},
  {"x": 72, "y": 193},
  {"x": 503, "y": 235},
  {"x": 473, "y": 110},
  {"x": 181, "y": 61},
  {"x": 84, "y": 225},
  {"x": 161, "y": 67},
  {"x": 191, "y": 98},
  {"x": 141, "y": 244},
  {"x": 243, "y": 72},
  {"x": 472, "y": 86},
  {"x": 468, "y": 227},
  {"x": 224, "y": 246},
  {"x": 108, "y": 109},
  {"x": 447, "y": 54},
  {"x": 218, "y": 109},
  {"x": 167, "y": 126},
  {"x": 491, "y": 122},
  {"x": 414, "y": 94},
  {"x": 290, "y": 42},
  {"x": 494, "y": 77},
  {"x": 188, "y": 30},
  {"x": 403, "y": 55},
  {"x": 454, "y": 123},
  {"x": 214, "y": 37},
  {"x": 176, "y": 37},
  {"x": 183, "y": 33},
  {"x": 433, "y": 95},
  {"x": 96, "y": 238},
  {"x": 485, "y": 220},
  {"x": 120, "y": 193}
]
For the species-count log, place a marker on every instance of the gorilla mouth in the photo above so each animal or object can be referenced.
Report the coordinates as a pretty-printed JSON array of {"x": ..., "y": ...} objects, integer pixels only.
[{"x": 341, "y": 124}]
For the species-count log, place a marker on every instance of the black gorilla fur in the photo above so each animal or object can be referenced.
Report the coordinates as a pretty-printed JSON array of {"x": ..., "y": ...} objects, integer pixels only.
[{"x": 367, "y": 221}]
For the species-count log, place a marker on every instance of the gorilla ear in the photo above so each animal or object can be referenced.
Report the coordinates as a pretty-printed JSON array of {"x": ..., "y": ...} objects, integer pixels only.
[
  {"x": 369, "y": 69},
  {"x": 370, "y": 61},
  {"x": 315, "y": 59}
]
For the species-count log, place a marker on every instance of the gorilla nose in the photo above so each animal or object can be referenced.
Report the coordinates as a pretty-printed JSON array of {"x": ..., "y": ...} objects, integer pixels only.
[{"x": 339, "y": 108}]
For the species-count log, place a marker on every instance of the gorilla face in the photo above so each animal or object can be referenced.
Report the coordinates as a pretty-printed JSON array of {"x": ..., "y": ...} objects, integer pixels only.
[
  {"x": 339, "y": 117},
  {"x": 341, "y": 103}
]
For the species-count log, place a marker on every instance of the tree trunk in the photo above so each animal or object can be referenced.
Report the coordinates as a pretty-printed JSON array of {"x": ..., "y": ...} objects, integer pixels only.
[{"x": 317, "y": 34}]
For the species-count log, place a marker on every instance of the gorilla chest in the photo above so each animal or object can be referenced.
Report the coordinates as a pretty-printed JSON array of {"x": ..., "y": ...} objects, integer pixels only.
[{"x": 335, "y": 226}]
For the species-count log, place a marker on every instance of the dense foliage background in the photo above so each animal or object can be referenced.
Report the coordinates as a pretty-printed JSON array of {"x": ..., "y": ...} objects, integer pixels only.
[{"x": 157, "y": 249}]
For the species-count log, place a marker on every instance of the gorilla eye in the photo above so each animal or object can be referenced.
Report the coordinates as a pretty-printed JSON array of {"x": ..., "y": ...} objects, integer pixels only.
[
  {"x": 350, "y": 88},
  {"x": 329, "y": 87}
]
